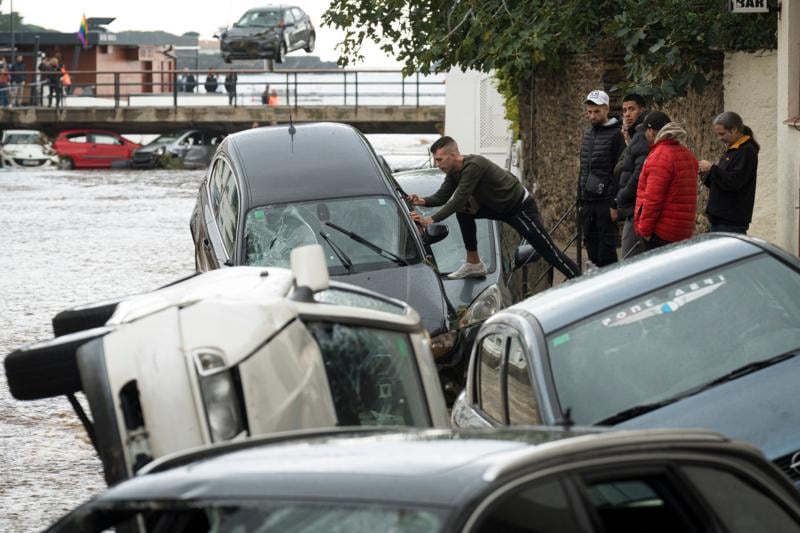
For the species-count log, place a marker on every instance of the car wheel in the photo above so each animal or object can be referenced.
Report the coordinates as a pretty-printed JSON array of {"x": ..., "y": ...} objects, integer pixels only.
[
  {"x": 312, "y": 40},
  {"x": 49, "y": 368},
  {"x": 280, "y": 55},
  {"x": 66, "y": 163},
  {"x": 82, "y": 318}
]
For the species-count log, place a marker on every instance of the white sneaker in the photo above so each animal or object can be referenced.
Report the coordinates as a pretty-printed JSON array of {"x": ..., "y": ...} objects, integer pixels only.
[{"x": 469, "y": 270}]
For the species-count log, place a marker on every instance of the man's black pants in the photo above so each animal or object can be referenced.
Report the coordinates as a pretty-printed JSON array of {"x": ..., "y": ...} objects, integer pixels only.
[
  {"x": 600, "y": 233},
  {"x": 524, "y": 219}
]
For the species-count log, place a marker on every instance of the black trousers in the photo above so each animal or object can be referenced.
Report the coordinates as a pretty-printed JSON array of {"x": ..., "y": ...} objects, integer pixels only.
[
  {"x": 524, "y": 219},
  {"x": 600, "y": 233},
  {"x": 654, "y": 242}
]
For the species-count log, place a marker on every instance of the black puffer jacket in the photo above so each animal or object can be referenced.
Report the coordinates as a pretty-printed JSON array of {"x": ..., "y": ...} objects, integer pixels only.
[
  {"x": 632, "y": 162},
  {"x": 732, "y": 185},
  {"x": 601, "y": 147}
]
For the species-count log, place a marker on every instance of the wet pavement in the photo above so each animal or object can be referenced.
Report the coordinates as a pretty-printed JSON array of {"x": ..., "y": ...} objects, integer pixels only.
[{"x": 69, "y": 238}]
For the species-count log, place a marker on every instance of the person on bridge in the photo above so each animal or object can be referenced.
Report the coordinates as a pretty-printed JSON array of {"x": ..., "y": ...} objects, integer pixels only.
[
  {"x": 230, "y": 86},
  {"x": 54, "y": 82},
  {"x": 273, "y": 98},
  {"x": 211, "y": 82},
  {"x": 474, "y": 188}
]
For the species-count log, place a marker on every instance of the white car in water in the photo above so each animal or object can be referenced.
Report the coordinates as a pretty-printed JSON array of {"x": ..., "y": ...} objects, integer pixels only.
[
  {"x": 26, "y": 149},
  {"x": 234, "y": 353}
]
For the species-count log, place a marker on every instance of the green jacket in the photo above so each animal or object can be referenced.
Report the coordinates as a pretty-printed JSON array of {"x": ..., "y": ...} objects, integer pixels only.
[{"x": 490, "y": 185}]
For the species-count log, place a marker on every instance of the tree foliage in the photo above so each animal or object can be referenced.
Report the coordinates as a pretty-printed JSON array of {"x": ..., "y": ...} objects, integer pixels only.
[{"x": 669, "y": 45}]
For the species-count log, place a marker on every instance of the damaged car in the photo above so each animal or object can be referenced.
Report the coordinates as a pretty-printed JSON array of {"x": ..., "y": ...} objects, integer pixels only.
[
  {"x": 272, "y": 189},
  {"x": 26, "y": 149},
  {"x": 268, "y": 32},
  {"x": 230, "y": 354}
]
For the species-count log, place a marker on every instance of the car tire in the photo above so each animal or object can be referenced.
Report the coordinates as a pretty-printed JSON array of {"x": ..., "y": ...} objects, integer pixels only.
[
  {"x": 48, "y": 369},
  {"x": 311, "y": 42},
  {"x": 81, "y": 319},
  {"x": 280, "y": 55},
  {"x": 66, "y": 163}
]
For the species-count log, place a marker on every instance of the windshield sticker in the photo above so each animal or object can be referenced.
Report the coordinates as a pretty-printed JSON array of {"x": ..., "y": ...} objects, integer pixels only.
[
  {"x": 651, "y": 307},
  {"x": 258, "y": 214},
  {"x": 381, "y": 201},
  {"x": 561, "y": 339}
]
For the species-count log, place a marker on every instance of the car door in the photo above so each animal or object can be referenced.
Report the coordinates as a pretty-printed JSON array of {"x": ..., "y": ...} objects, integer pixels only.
[
  {"x": 105, "y": 149},
  {"x": 290, "y": 30},
  {"x": 303, "y": 25},
  {"x": 657, "y": 495}
]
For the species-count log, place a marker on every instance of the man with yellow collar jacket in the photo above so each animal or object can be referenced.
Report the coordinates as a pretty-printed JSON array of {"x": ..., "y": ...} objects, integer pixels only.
[{"x": 732, "y": 180}]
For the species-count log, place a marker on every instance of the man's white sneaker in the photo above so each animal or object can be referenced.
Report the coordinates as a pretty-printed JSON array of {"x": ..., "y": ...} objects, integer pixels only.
[{"x": 469, "y": 270}]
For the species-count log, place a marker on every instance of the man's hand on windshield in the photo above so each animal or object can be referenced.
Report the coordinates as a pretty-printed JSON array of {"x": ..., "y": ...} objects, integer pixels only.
[
  {"x": 413, "y": 199},
  {"x": 421, "y": 220}
]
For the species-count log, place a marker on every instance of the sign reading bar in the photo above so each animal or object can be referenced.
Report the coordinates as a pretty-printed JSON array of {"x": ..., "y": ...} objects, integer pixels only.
[{"x": 749, "y": 6}]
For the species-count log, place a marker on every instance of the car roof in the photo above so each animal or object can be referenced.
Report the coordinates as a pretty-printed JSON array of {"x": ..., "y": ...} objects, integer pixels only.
[
  {"x": 593, "y": 292},
  {"x": 319, "y": 160},
  {"x": 88, "y": 130},
  {"x": 434, "y": 467}
]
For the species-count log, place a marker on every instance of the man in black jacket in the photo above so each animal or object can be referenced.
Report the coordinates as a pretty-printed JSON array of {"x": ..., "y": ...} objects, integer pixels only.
[
  {"x": 601, "y": 146},
  {"x": 628, "y": 169}
]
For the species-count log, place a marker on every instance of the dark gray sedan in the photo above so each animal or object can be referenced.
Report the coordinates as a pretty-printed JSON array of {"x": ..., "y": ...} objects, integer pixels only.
[
  {"x": 705, "y": 333},
  {"x": 268, "y": 32},
  {"x": 541, "y": 480}
]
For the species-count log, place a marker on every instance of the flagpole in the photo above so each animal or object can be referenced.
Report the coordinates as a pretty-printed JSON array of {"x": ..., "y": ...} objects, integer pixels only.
[{"x": 11, "y": 20}]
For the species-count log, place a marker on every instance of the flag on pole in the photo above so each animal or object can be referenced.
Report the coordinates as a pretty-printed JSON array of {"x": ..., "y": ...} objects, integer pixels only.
[{"x": 83, "y": 32}]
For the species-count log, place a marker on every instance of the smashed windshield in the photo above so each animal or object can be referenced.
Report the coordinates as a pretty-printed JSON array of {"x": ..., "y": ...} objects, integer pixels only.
[
  {"x": 259, "y": 19},
  {"x": 675, "y": 339},
  {"x": 372, "y": 374},
  {"x": 450, "y": 253},
  {"x": 23, "y": 138},
  {"x": 272, "y": 232}
]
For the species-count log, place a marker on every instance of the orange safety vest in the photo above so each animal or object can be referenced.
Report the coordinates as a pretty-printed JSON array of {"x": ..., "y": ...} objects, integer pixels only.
[
  {"x": 273, "y": 100},
  {"x": 65, "y": 79}
]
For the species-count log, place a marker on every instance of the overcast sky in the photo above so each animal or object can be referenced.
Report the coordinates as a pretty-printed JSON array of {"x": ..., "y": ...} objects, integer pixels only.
[{"x": 175, "y": 16}]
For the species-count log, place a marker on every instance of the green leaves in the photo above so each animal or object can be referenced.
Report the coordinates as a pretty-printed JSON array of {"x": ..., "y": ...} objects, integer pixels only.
[{"x": 669, "y": 45}]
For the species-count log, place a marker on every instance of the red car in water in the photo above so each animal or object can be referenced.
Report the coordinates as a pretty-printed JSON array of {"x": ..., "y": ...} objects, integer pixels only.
[{"x": 90, "y": 148}]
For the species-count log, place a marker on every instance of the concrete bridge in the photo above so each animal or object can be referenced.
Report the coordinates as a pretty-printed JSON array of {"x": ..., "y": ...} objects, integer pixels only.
[{"x": 140, "y": 119}]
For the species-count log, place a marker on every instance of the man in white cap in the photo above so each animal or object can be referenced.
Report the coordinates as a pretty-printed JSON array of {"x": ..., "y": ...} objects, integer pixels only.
[{"x": 601, "y": 147}]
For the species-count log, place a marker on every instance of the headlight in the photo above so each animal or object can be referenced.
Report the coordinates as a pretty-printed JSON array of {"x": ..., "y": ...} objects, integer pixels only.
[
  {"x": 220, "y": 398},
  {"x": 160, "y": 150},
  {"x": 442, "y": 344},
  {"x": 485, "y": 305}
]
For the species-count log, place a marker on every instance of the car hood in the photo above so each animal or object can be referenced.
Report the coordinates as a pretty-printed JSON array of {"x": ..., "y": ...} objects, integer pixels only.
[
  {"x": 417, "y": 285},
  {"x": 153, "y": 147},
  {"x": 760, "y": 408},
  {"x": 238, "y": 32},
  {"x": 462, "y": 292}
]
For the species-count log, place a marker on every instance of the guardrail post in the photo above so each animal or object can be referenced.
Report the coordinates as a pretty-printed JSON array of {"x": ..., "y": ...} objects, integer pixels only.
[
  {"x": 116, "y": 89},
  {"x": 417, "y": 89},
  {"x": 287, "y": 90},
  {"x": 402, "y": 89},
  {"x": 345, "y": 87},
  {"x": 174, "y": 89},
  {"x": 356, "y": 91},
  {"x": 295, "y": 90}
]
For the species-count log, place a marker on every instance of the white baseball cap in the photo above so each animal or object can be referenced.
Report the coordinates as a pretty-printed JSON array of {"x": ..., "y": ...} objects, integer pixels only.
[{"x": 598, "y": 97}]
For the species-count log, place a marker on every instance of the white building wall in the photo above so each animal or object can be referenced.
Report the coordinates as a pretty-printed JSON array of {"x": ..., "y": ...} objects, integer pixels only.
[
  {"x": 749, "y": 84},
  {"x": 475, "y": 115},
  {"x": 788, "y": 136}
]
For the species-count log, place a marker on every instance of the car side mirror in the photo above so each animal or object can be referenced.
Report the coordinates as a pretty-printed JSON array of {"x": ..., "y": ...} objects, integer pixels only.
[
  {"x": 434, "y": 233},
  {"x": 525, "y": 255}
]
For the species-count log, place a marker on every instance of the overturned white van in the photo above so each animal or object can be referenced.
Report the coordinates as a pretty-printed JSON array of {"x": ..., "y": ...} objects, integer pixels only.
[{"x": 232, "y": 353}]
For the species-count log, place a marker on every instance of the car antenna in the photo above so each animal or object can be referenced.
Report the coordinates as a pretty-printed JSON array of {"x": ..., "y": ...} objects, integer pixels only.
[{"x": 567, "y": 420}]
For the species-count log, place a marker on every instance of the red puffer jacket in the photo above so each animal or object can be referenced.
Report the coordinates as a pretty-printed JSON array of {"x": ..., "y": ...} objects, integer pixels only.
[{"x": 666, "y": 199}]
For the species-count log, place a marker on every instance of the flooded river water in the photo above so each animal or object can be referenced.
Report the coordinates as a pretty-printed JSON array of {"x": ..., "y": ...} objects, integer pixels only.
[{"x": 68, "y": 238}]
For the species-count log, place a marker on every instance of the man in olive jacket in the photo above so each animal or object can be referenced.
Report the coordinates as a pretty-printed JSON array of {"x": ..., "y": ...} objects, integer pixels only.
[
  {"x": 474, "y": 188},
  {"x": 601, "y": 146}
]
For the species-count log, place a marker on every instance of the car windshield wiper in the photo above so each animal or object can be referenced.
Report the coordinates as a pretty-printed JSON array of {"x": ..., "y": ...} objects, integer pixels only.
[
  {"x": 374, "y": 247},
  {"x": 346, "y": 262},
  {"x": 749, "y": 368}
]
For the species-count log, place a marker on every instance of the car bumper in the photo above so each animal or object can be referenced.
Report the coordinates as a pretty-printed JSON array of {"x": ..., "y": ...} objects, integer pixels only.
[
  {"x": 248, "y": 48},
  {"x": 29, "y": 162}
]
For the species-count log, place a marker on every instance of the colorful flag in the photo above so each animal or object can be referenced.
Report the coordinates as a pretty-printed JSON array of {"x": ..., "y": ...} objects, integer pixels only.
[{"x": 83, "y": 32}]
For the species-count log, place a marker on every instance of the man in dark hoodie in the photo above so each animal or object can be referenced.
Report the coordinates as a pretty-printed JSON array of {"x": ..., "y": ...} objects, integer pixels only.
[
  {"x": 601, "y": 147},
  {"x": 628, "y": 169}
]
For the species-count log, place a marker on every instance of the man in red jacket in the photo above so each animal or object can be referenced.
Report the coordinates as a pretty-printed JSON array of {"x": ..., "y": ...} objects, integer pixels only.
[{"x": 666, "y": 198}]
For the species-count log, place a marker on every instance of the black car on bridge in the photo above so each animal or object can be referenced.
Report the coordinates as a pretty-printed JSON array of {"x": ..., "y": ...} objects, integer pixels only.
[
  {"x": 268, "y": 33},
  {"x": 269, "y": 190}
]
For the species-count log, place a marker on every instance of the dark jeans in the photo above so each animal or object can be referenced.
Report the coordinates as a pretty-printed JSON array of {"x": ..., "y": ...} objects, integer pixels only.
[
  {"x": 524, "y": 219},
  {"x": 600, "y": 233},
  {"x": 654, "y": 242},
  {"x": 730, "y": 228}
]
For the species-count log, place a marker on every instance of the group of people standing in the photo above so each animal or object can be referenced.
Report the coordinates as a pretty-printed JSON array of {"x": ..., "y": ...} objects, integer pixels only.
[
  {"x": 638, "y": 170},
  {"x": 187, "y": 83},
  {"x": 12, "y": 82},
  {"x": 52, "y": 74},
  {"x": 641, "y": 171}
]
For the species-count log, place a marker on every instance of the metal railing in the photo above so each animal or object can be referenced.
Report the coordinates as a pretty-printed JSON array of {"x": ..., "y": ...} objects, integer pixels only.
[{"x": 169, "y": 88}]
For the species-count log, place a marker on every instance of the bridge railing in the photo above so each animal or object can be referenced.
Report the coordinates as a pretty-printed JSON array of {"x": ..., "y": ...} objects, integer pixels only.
[{"x": 301, "y": 87}]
